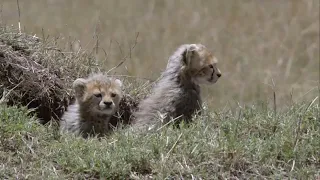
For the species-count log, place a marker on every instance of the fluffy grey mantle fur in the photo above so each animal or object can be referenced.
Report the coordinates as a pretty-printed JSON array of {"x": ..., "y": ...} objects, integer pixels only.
[{"x": 175, "y": 96}]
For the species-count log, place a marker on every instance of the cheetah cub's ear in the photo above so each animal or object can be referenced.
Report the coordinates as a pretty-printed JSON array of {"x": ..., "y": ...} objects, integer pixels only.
[
  {"x": 79, "y": 86},
  {"x": 118, "y": 82},
  {"x": 191, "y": 54}
]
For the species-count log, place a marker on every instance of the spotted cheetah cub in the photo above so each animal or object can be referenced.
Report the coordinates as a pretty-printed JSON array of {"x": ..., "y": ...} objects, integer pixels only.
[
  {"x": 97, "y": 100},
  {"x": 176, "y": 96}
]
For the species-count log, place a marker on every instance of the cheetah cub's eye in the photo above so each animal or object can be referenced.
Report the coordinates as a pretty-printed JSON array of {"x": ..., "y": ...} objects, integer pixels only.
[
  {"x": 98, "y": 95},
  {"x": 211, "y": 66},
  {"x": 113, "y": 94}
]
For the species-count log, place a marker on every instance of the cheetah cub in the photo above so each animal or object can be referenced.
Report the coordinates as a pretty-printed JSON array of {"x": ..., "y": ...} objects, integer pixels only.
[
  {"x": 176, "y": 96},
  {"x": 97, "y": 100}
]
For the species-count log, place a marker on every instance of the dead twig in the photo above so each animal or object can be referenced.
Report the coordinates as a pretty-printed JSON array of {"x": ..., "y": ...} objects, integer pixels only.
[{"x": 125, "y": 57}]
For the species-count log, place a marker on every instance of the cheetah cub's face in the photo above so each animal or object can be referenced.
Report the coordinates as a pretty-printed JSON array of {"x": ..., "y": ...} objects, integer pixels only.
[
  {"x": 100, "y": 96},
  {"x": 202, "y": 64}
]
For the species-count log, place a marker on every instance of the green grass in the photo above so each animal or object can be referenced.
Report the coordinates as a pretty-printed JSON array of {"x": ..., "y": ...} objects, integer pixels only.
[{"x": 248, "y": 142}]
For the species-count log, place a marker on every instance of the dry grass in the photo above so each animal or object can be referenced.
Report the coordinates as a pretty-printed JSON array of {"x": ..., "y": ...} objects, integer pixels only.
[
  {"x": 256, "y": 41},
  {"x": 37, "y": 74},
  {"x": 33, "y": 75}
]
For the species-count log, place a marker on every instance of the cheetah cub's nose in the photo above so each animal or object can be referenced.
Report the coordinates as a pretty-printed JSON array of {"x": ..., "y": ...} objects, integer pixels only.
[
  {"x": 219, "y": 74},
  {"x": 108, "y": 103}
]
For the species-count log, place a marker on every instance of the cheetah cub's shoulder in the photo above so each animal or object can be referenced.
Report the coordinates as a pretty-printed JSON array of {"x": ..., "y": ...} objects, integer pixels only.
[{"x": 97, "y": 100}]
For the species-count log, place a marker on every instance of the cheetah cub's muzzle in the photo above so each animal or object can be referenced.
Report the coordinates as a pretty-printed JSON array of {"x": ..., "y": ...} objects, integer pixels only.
[{"x": 106, "y": 104}]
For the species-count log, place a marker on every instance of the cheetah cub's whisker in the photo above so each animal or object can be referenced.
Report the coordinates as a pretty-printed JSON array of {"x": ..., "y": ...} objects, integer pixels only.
[
  {"x": 176, "y": 95},
  {"x": 97, "y": 100}
]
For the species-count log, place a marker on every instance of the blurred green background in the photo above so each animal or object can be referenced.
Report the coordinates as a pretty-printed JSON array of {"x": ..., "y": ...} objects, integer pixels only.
[{"x": 259, "y": 43}]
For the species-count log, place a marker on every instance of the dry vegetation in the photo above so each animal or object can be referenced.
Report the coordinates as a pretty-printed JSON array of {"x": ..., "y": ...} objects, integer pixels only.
[
  {"x": 32, "y": 74},
  {"x": 267, "y": 49},
  {"x": 256, "y": 41},
  {"x": 39, "y": 75}
]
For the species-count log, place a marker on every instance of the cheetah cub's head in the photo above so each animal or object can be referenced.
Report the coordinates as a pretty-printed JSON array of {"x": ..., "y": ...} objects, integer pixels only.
[
  {"x": 201, "y": 64},
  {"x": 99, "y": 94}
]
